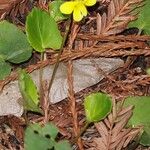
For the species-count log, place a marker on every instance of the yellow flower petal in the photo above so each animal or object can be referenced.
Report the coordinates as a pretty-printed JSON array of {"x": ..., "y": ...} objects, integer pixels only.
[
  {"x": 83, "y": 9},
  {"x": 77, "y": 15},
  {"x": 68, "y": 7},
  {"x": 89, "y": 2}
]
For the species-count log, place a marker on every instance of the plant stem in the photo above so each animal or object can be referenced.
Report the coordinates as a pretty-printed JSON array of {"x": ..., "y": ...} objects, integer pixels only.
[
  {"x": 59, "y": 55},
  {"x": 80, "y": 133},
  {"x": 26, "y": 117},
  {"x": 41, "y": 77}
]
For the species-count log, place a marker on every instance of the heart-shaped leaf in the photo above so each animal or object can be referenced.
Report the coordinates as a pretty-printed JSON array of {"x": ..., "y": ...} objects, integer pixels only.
[
  {"x": 97, "y": 106},
  {"x": 140, "y": 115},
  {"x": 14, "y": 46},
  {"x": 42, "y": 31},
  {"x": 29, "y": 92},
  {"x": 143, "y": 18}
]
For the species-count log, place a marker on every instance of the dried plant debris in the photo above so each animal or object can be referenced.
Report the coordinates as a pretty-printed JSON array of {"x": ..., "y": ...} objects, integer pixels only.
[
  {"x": 117, "y": 17},
  {"x": 6, "y": 6},
  {"x": 113, "y": 133},
  {"x": 97, "y": 41},
  {"x": 11, "y": 133},
  {"x": 113, "y": 17}
]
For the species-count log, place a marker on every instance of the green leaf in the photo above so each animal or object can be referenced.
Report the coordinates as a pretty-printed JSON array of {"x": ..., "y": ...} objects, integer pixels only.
[
  {"x": 148, "y": 71},
  {"x": 14, "y": 46},
  {"x": 140, "y": 115},
  {"x": 54, "y": 9},
  {"x": 145, "y": 138},
  {"x": 143, "y": 18},
  {"x": 29, "y": 92},
  {"x": 5, "y": 69},
  {"x": 62, "y": 145},
  {"x": 42, "y": 31},
  {"x": 36, "y": 140},
  {"x": 97, "y": 106},
  {"x": 43, "y": 138},
  {"x": 51, "y": 130}
]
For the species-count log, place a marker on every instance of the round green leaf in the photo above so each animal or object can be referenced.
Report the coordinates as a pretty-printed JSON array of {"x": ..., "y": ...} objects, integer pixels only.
[
  {"x": 5, "y": 70},
  {"x": 97, "y": 106},
  {"x": 42, "y": 31},
  {"x": 14, "y": 46},
  {"x": 140, "y": 103},
  {"x": 140, "y": 116}
]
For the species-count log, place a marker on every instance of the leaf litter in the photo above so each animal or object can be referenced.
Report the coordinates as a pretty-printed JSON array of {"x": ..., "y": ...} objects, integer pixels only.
[{"x": 130, "y": 79}]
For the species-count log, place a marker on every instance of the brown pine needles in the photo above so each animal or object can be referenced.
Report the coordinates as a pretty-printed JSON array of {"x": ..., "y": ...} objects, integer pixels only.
[
  {"x": 113, "y": 133},
  {"x": 117, "y": 16},
  {"x": 11, "y": 7}
]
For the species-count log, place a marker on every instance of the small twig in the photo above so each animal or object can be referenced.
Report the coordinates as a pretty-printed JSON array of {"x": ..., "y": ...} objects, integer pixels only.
[
  {"x": 111, "y": 38},
  {"x": 46, "y": 103},
  {"x": 80, "y": 133},
  {"x": 71, "y": 92}
]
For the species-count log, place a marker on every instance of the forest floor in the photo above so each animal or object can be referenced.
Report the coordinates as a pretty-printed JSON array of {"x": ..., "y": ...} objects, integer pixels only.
[{"x": 129, "y": 80}]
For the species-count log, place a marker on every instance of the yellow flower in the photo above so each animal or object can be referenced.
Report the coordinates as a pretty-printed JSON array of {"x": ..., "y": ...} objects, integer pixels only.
[{"x": 77, "y": 7}]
